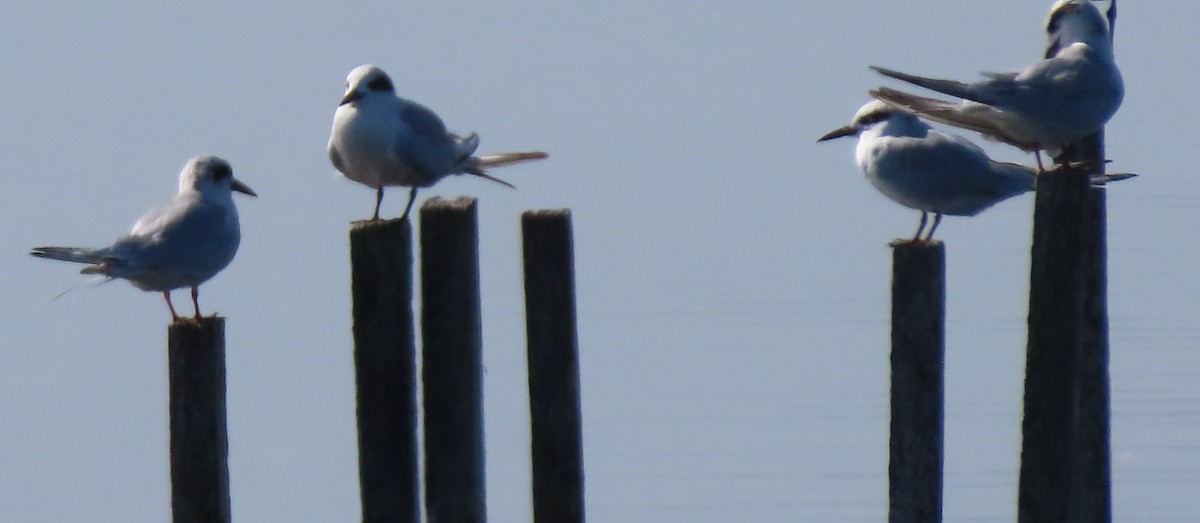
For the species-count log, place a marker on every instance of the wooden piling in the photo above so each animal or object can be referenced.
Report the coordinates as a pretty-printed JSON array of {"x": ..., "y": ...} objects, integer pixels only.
[
  {"x": 918, "y": 361},
  {"x": 553, "y": 359},
  {"x": 452, "y": 361},
  {"x": 1065, "y": 467},
  {"x": 1052, "y": 352},
  {"x": 1093, "y": 483},
  {"x": 199, "y": 442},
  {"x": 385, "y": 370}
]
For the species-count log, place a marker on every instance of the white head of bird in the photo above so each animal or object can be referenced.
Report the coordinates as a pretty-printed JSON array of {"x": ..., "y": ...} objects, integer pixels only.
[{"x": 1076, "y": 22}]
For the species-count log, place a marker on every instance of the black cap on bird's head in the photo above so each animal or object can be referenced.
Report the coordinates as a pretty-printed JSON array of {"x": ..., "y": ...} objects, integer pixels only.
[
  {"x": 365, "y": 79},
  {"x": 204, "y": 172},
  {"x": 873, "y": 112}
]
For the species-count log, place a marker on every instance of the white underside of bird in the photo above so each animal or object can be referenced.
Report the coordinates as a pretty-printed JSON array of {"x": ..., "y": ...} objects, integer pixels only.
[
  {"x": 380, "y": 140},
  {"x": 930, "y": 171}
]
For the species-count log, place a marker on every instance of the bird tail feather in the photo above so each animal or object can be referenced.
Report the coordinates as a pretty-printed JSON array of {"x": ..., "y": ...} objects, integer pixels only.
[
  {"x": 497, "y": 160},
  {"x": 69, "y": 254},
  {"x": 476, "y": 164},
  {"x": 465, "y": 145},
  {"x": 950, "y": 87},
  {"x": 1099, "y": 180}
]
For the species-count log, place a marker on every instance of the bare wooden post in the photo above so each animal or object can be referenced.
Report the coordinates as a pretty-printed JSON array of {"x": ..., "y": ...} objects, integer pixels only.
[
  {"x": 452, "y": 361},
  {"x": 1065, "y": 467},
  {"x": 554, "y": 404},
  {"x": 385, "y": 370},
  {"x": 1052, "y": 354},
  {"x": 918, "y": 383},
  {"x": 199, "y": 442},
  {"x": 1093, "y": 459}
]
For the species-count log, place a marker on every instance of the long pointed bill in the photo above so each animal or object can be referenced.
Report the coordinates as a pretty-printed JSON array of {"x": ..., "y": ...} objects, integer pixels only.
[
  {"x": 492, "y": 178},
  {"x": 241, "y": 187},
  {"x": 838, "y": 133},
  {"x": 351, "y": 96}
]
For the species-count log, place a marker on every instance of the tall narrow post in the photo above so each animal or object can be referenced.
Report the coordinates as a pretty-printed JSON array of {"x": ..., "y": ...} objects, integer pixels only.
[
  {"x": 553, "y": 358},
  {"x": 385, "y": 370},
  {"x": 199, "y": 442},
  {"x": 918, "y": 382},
  {"x": 1065, "y": 467},
  {"x": 452, "y": 361},
  {"x": 1052, "y": 355},
  {"x": 1094, "y": 482}
]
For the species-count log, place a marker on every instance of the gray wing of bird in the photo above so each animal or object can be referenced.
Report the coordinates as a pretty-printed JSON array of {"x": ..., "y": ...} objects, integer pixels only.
[
  {"x": 425, "y": 142},
  {"x": 954, "y": 88},
  {"x": 975, "y": 117}
]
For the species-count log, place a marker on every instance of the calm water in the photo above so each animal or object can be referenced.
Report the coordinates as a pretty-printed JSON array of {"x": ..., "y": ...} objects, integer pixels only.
[{"x": 733, "y": 275}]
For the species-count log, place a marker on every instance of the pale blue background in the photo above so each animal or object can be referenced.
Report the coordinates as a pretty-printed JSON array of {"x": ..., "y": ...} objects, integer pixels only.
[{"x": 733, "y": 275}]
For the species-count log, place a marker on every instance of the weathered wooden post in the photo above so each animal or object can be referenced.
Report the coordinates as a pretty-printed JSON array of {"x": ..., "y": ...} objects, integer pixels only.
[
  {"x": 1065, "y": 432},
  {"x": 1065, "y": 449},
  {"x": 199, "y": 443},
  {"x": 553, "y": 359},
  {"x": 918, "y": 382},
  {"x": 1093, "y": 447},
  {"x": 385, "y": 370},
  {"x": 1052, "y": 354},
  {"x": 452, "y": 361}
]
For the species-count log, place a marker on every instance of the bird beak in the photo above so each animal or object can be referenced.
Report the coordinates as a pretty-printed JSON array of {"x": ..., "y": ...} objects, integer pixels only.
[
  {"x": 350, "y": 97},
  {"x": 241, "y": 187},
  {"x": 838, "y": 133}
]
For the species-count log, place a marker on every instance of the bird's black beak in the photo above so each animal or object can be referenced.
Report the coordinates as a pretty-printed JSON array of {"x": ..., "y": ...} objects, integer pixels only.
[
  {"x": 351, "y": 97},
  {"x": 838, "y": 133},
  {"x": 241, "y": 187}
]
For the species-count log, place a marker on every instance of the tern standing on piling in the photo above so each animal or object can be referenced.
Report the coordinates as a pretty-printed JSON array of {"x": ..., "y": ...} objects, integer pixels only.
[
  {"x": 930, "y": 171},
  {"x": 180, "y": 244},
  {"x": 379, "y": 140}
]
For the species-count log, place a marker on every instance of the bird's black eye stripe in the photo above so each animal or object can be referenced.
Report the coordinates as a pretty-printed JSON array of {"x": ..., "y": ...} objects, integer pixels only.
[
  {"x": 1055, "y": 20},
  {"x": 1056, "y": 17},
  {"x": 874, "y": 117},
  {"x": 381, "y": 83},
  {"x": 222, "y": 172}
]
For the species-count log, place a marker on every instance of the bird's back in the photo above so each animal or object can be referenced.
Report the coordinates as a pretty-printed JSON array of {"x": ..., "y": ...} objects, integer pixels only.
[
  {"x": 181, "y": 244},
  {"x": 937, "y": 172}
]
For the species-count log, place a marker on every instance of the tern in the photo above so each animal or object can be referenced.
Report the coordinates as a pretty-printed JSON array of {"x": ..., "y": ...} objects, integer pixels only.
[
  {"x": 379, "y": 140},
  {"x": 183, "y": 243},
  {"x": 933, "y": 172},
  {"x": 1068, "y": 95}
]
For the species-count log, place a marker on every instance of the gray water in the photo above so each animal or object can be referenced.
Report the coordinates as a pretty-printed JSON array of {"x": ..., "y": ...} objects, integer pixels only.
[{"x": 733, "y": 276}]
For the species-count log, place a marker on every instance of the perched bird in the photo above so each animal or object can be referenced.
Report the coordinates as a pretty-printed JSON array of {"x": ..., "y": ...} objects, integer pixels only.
[
  {"x": 932, "y": 172},
  {"x": 1067, "y": 96},
  {"x": 379, "y": 139},
  {"x": 180, "y": 244}
]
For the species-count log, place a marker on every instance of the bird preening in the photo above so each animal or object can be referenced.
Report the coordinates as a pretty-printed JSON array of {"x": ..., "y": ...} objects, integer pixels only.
[
  {"x": 1068, "y": 95},
  {"x": 379, "y": 140},
  {"x": 183, "y": 243}
]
